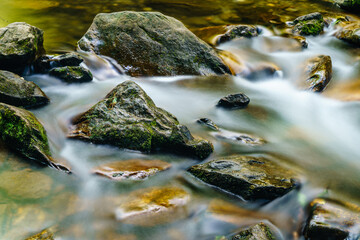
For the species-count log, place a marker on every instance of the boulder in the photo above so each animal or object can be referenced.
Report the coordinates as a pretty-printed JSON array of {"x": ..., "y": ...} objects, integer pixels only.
[
  {"x": 311, "y": 24},
  {"x": 134, "y": 169},
  {"x": 318, "y": 74},
  {"x": 16, "y": 91},
  {"x": 150, "y": 43},
  {"x": 72, "y": 74},
  {"x": 252, "y": 178},
  {"x": 23, "y": 133},
  {"x": 234, "y": 101},
  {"x": 260, "y": 231},
  {"x": 47, "y": 62},
  {"x": 20, "y": 45},
  {"x": 128, "y": 118},
  {"x": 349, "y": 32},
  {"x": 331, "y": 219}
]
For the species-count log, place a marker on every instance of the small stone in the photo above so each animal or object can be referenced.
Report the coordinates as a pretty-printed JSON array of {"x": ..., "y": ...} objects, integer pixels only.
[
  {"x": 72, "y": 74},
  {"x": 260, "y": 231},
  {"x": 67, "y": 60},
  {"x": 134, "y": 169},
  {"x": 238, "y": 31},
  {"x": 16, "y": 91},
  {"x": 234, "y": 101},
  {"x": 208, "y": 123},
  {"x": 252, "y": 178},
  {"x": 44, "y": 235},
  {"x": 311, "y": 24}
]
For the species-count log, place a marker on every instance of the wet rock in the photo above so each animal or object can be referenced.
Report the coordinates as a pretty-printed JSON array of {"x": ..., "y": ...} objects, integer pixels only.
[
  {"x": 209, "y": 123},
  {"x": 134, "y": 169},
  {"x": 150, "y": 43},
  {"x": 318, "y": 73},
  {"x": 151, "y": 206},
  {"x": 260, "y": 231},
  {"x": 20, "y": 45},
  {"x": 128, "y": 118},
  {"x": 234, "y": 101},
  {"x": 238, "y": 31},
  {"x": 333, "y": 220},
  {"x": 250, "y": 177},
  {"x": 311, "y": 24},
  {"x": 23, "y": 133},
  {"x": 301, "y": 40},
  {"x": 349, "y": 32},
  {"x": 241, "y": 138},
  {"x": 72, "y": 74},
  {"x": 350, "y": 5},
  {"x": 16, "y": 91},
  {"x": 44, "y": 235},
  {"x": 67, "y": 59}
]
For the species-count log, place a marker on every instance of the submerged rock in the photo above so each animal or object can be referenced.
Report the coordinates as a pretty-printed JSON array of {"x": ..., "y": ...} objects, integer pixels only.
[
  {"x": 318, "y": 72},
  {"x": 20, "y": 45},
  {"x": 250, "y": 177},
  {"x": 151, "y": 206},
  {"x": 349, "y": 32},
  {"x": 16, "y": 91},
  {"x": 23, "y": 133},
  {"x": 260, "y": 231},
  {"x": 72, "y": 74},
  {"x": 234, "y": 101},
  {"x": 209, "y": 123},
  {"x": 241, "y": 138},
  {"x": 134, "y": 169},
  {"x": 128, "y": 118},
  {"x": 150, "y": 43},
  {"x": 333, "y": 220},
  {"x": 44, "y": 235},
  {"x": 311, "y": 24}
]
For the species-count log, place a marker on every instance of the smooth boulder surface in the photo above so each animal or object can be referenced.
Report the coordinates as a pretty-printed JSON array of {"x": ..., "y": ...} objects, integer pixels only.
[
  {"x": 72, "y": 74},
  {"x": 260, "y": 231},
  {"x": 311, "y": 24},
  {"x": 20, "y": 45},
  {"x": 331, "y": 219},
  {"x": 349, "y": 32},
  {"x": 234, "y": 101},
  {"x": 23, "y": 133},
  {"x": 16, "y": 91},
  {"x": 151, "y": 44},
  {"x": 128, "y": 118},
  {"x": 318, "y": 72},
  {"x": 252, "y": 178}
]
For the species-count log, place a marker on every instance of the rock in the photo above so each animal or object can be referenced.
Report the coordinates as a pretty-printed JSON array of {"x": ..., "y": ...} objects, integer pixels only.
[
  {"x": 264, "y": 70},
  {"x": 134, "y": 169},
  {"x": 16, "y": 91},
  {"x": 72, "y": 74},
  {"x": 209, "y": 123},
  {"x": 234, "y": 101},
  {"x": 318, "y": 73},
  {"x": 67, "y": 60},
  {"x": 301, "y": 40},
  {"x": 252, "y": 178},
  {"x": 238, "y": 31},
  {"x": 151, "y": 206},
  {"x": 349, "y": 32},
  {"x": 150, "y": 43},
  {"x": 44, "y": 235},
  {"x": 20, "y": 45},
  {"x": 259, "y": 231},
  {"x": 128, "y": 118},
  {"x": 241, "y": 138},
  {"x": 350, "y": 5},
  {"x": 311, "y": 24},
  {"x": 23, "y": 133},
  {"x": 332, "y": 219}
]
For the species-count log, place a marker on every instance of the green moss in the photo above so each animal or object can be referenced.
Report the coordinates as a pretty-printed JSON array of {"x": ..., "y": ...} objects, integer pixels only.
[{"x": 311, "y": 28}]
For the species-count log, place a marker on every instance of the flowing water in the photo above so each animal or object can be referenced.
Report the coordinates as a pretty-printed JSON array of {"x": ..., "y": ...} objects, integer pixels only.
[{"x": 312, "y": 133}]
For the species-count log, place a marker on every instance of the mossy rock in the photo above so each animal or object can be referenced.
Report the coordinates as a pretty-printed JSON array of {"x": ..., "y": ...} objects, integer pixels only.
[
  {"x": 20, "y": 45},
  {"x": 151, "y": 44},
  {"x": 349, "y": 32},
  {"x": 23, "y": 133},
  {"x": 16, "y": 91},
  {"x": 311, "y": 24},
  {"x": 68, "y": 59},
  {"x": 44, "y": 235},
  {"x": 239, "y": 31},
  {"x": 72, "y": 74},
  {"x": 250, "y": 177},
  {"x": 128, "y": 118},
  {"x": 260, "y": 231},
  {"x": 332, "y": 219}
]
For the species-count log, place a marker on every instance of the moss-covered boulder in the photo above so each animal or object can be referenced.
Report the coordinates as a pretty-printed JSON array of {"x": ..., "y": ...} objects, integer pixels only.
[
  {"x": 250, "y": 177},
  {"x": 311, "y": 24},
  {"x": 16, "y": 91},
  {"x": 318, "y": 73},
  {"x": 43, "y": 235},
  {"x": 72, "y": 74},
  {"x": 260, "y": 231},
  {"x": 20, "y": 45},
  {"x": 134, "y": 169},
  {"x": 23, "y": 133},
  {"x": 331, "y": 219},
  {"x": 150, "y": 43},
  {"x": 349, "y": 32},
  {"x": 128, "y": 118}
]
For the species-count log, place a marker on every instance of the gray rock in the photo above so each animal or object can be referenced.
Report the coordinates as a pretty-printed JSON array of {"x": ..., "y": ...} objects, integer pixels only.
[
  {"x": 72, "y": 74},
  {"x": 259, "y": 231},
  {"x": 128, "y": 118},
  {"x": 150, "y": 43},
  {"x": 234, "y": 101},
  {"x": 16, "y": 91},
  {"x": 20, "y": 45},
  {"x": 250, "y": 177},
  {"x": 311, "y": 24}
]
